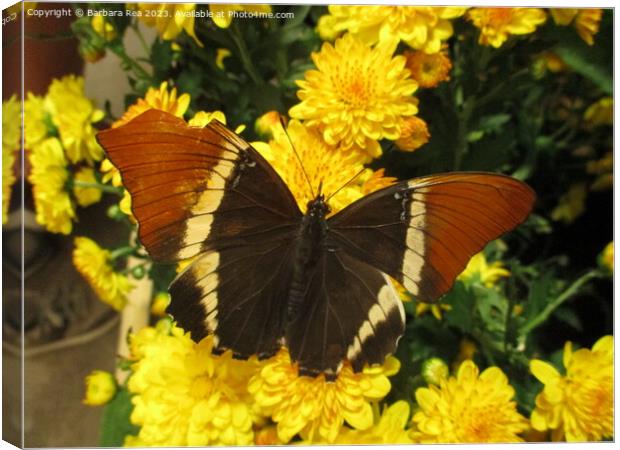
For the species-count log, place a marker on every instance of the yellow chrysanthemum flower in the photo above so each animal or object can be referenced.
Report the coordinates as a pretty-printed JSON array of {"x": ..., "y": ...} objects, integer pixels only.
[
  {"x": 323, "y": 163},
  {"x": 607, "y": 257},
  {"x": 103, "y": 28},
  {"x": 357, "y": 96},
  {"x": 184, "y": 395},
  {"x": 35, "y": 128},
  {"x": 223, "y": 14},
  {"x": 436, "y": 309},
  {"x": 420, "y": 27},
  {"x": 266, "y": 123},
  {"x": 604, "y": 170},
  {"x": 100, "y": 388},
  {"x": 578, "y": 406},
  {"x": 572, "y": 204},
  {"x": 11, "y": 143},
  {"x": 48, "y": 176},
  {"x": 313, "y": 407},
  {"x": 414, "y": 134},
  {"x": 160, "y": 303},
  {"x": 154, "y": 98},
  {"x": 586, "y": 21},
  {"x": 388, "y": 428},
  {"x": 468, "y": 407},
  {"x": 467, "y": 350},
  {"x": 95, "y": 265},
  {"x": 220, "y": 55},
  {"x": 86, "y": 196},
  {"x": 169, "y": 19},
  {"x": 479, "y": 270},
  {"x": 435, "y": 370},
  {"x": 496, "y": 24},
  {"x": 73, "y": 114},
  {"x": 428, "y": 69},
  {"x": 600, "y": 112}
]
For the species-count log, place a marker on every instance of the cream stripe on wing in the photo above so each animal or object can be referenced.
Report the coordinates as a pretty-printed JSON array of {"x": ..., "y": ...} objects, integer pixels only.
[
  {"x": 413, "y": 258},
  {"x": 387, "y": 300},
  {"x": 198, "y": 226},
  {"x": 205, "y": 271}
]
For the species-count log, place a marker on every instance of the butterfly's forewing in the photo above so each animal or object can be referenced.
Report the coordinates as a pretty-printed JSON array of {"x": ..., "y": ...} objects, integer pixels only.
[
  {"x": 352, "y": 312},
  {"x": 205, "y": 191},
  {"x": 423, "y": 232},
  {"x": 194, "y": 189}
]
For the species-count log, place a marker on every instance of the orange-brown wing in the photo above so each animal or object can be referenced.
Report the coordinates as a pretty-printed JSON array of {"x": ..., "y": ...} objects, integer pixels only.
[
  {"x": 423, "y": 232},
  {"x": 197, "y": 189}
]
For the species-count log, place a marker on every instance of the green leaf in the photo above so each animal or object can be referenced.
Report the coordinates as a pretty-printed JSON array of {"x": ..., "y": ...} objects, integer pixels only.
[
  {"x": 115, "y": 423},
  {"x": 463, "y": 302}
]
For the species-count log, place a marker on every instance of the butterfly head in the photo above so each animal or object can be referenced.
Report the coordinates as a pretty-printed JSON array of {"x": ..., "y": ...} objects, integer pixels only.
[{"x": 318, "y": 207}]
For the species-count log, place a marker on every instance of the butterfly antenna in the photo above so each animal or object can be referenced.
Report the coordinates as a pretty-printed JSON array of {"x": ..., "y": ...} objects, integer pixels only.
[
  {"x": 346, "y": 184},
  {"x": 301, "y": 164}
]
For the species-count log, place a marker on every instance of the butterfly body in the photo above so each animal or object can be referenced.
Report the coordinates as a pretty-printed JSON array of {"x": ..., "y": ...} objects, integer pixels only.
[{"x": 266, "y": 275}]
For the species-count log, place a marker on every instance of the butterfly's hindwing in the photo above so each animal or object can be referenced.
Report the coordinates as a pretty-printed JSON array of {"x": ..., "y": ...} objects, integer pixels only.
[
  {"x": 423, "y": 232},
  {"x": 239, "y": 295},
  {"x": 351, "y": 312}
]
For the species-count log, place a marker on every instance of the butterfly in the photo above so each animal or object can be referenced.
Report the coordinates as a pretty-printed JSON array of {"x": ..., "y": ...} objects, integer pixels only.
[{"x": 266, "y": 275}]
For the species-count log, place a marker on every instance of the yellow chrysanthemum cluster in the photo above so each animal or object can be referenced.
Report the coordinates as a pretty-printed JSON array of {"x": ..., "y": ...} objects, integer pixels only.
[
  {"x": 95, "y": 265},
  {"x": 357, "y": 96},
  {"x": 184, "y": 395},
  {"x": 496, "y": 24},
  {"x": 578, "y": 406},
  {"x": 468, "y": 407},
  {"x": 58, "y": 131},
  {"x": 169, "y": 19},
  {"x": 423, "y": 27},
  {"x": 11, "y": 143},
  {"x": 322, "y": 163},
  {"x": 313, "y": 407}
]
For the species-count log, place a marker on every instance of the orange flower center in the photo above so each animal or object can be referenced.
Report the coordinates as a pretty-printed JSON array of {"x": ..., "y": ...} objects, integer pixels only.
[{"x": 499, "y": 16}]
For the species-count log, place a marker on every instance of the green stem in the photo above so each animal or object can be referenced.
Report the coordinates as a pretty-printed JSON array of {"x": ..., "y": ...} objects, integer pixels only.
[
  {"x": 102, "y": 187},
  {"x": 136, "y": 30},
  {"x": 130, "y": 62},
  {"x": 122, "y": 252},
  {"x": 552, "y": 306},
  {"x": 244, "y": 54},
  {"x": 461, "y": 141}
]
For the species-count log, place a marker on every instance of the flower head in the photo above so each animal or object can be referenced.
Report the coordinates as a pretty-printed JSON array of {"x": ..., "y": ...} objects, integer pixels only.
[
  {"x": 222, "y": 14},
  {"x": 434, "y": 371},
  {"x": 36, "y": 119},
  {"x": 184, "y": 395},
  {"x": 49, "y": 176},
  {"x": 586, "y": 21},
  {"x": 420, "y": 27},
  {"x": 428, "y": 69},
  {"x": 577, "y": 406},
  {"x": 73, "y": 114},
  {"x": 496, "y": 24},
  {"x": 600, "y": 112},
  {"x": 11, "y": 143},
  {"x": 478, "y": 269},
  {"x": 86, "y": 196},
  {"x": 160, "y": 303},
  {"x": 322, "y": 163},
  {"x": 170, "y": 19},
  {"x": 314, "y": 407},
  {"x": 100, "y": 388},
  {"x": 156, "y": 98},
  {"x": 572, "y": 204},
  {"x": 607, "y": 257},
  {"x": 414, "y": 134},
  {"x": 357, "y": 95},
  {"x": 468, "y": 407},
  {"x": 387, "y": 428},
  {"x": 95, "y": 265}
]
